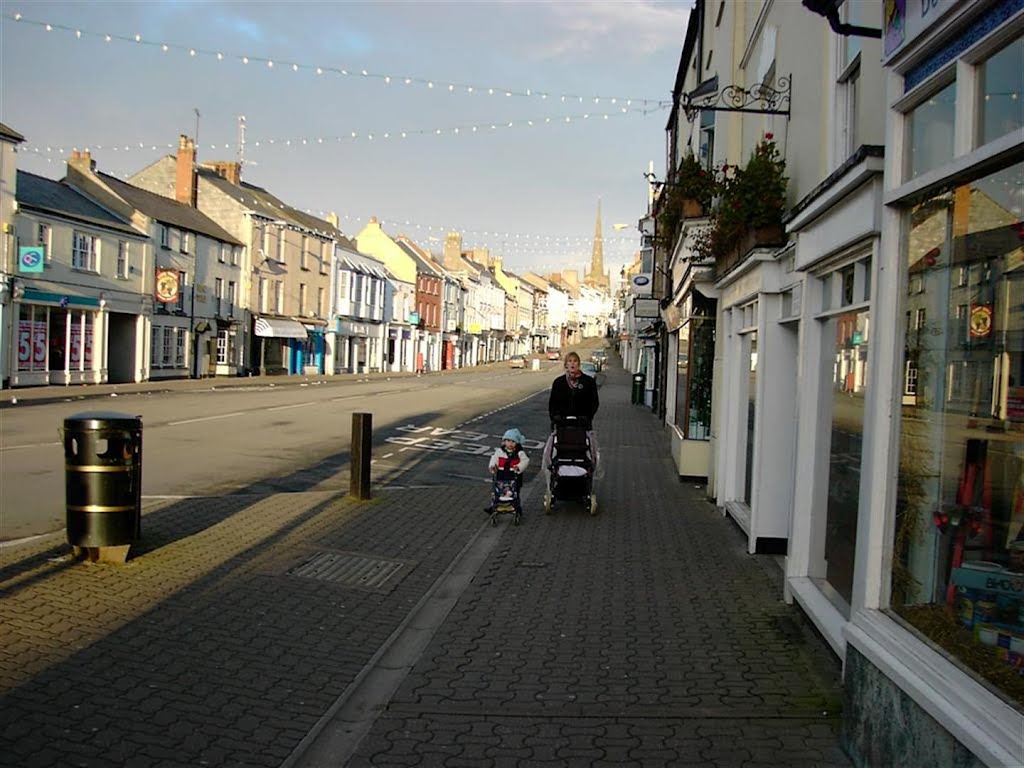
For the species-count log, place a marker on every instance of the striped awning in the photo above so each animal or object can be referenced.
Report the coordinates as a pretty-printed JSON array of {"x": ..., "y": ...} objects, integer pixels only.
[{"x": 279, "y": 329}]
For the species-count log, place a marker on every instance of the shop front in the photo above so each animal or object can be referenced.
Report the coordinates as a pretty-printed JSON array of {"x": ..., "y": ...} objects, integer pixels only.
[
  {"x": 691, "y": 328},
  {"x": 59, "y": 340},
  {"x": 755, "y": 474},
  {"x": 357, "y": 346},
  {"x": 934, "y": 667},
  {"x": 280, "y": 345}
]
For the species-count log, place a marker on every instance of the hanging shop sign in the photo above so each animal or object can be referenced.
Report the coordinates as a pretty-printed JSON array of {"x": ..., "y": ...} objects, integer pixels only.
[
  {"x": 642, "y": 284},
  {"x": 905, "y": 20},
  {"x": 31, "y": 258},
  {"x": 981, "y": 320},
  {"x": 647, "y": 308},
  {"x": 166, "y": 286}
]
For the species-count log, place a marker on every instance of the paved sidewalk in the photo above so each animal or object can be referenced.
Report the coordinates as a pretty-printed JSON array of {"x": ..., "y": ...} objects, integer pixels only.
[{"x": 645, "y": 636}]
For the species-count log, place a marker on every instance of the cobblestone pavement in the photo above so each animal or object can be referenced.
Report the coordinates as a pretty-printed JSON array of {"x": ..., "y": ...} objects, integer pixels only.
[{"x": 644, "y": 636}]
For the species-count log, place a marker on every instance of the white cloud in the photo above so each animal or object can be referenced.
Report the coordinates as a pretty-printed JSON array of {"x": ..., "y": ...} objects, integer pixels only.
[{"x": 637, "y": 27}]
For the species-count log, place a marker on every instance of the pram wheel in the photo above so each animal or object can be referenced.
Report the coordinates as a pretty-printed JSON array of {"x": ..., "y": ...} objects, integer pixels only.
[
  {"x": 547, "y": 502},
  {"x": 517, "y": 519},
  {"x": 593, "y": 504}
]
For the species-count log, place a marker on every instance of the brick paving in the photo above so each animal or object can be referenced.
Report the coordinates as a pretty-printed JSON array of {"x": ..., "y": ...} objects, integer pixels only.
[{"x": 645, "y": 636}]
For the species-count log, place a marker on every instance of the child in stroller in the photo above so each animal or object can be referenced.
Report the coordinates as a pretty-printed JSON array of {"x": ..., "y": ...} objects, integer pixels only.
[
  {"x": 507, "y": 464},
  {"x": 570, "y": 460}
]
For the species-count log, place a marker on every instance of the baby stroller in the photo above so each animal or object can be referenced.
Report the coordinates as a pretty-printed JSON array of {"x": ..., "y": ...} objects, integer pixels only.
[
  {"x": 505, "y": 495},
  {"x": 571, "y": 466}
]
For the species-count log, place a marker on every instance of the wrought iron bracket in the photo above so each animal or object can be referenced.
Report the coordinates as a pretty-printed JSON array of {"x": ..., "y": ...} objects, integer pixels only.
[{"x": 759, "y": 99}]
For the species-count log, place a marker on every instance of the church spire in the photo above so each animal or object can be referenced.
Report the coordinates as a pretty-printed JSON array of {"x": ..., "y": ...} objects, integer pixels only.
[{"x": 597, "y": 275}]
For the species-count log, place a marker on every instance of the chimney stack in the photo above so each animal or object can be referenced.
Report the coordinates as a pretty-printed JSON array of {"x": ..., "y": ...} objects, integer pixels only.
[
  {"x": 230, "y": 170},
  {"x": 452, "y": 251},
  {"x": 185, "y": 183},
  {"x": 82, "y": 160}
]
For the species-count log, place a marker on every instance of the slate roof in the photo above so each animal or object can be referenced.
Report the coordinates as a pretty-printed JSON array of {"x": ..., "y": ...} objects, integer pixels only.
[
  {"x": 362, "y": 263},
  {"x": 422, "y": 264},
  {"x": 54, "y": 197},
  {"x": 168, "y": 211},
  {"x": 262, "y": 202}
]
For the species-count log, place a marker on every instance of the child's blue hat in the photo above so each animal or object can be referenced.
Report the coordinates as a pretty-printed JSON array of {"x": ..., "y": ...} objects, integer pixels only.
[{"x": 514, "y": 434}]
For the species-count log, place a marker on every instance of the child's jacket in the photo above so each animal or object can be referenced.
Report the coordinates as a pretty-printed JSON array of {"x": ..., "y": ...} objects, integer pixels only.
[{"x": 502, "y": 459}]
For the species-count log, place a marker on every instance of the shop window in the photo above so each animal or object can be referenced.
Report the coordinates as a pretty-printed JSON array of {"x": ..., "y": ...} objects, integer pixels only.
[
  {"x": 180, "y": 347},
  {"x": 694, "y": 363},
  {"x": 930, "y": 132},
  {"x": 33, "y": 338},
  {"x": 166, "y": 354},
  {"x": 959, "y": 538},
  {"x": 849, "y": 332},
  {"x": 751, "y": 340},
  {"x": 1002, "y": 88}
]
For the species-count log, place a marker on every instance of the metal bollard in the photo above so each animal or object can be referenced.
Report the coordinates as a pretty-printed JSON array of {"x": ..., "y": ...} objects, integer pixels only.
[{"x": 362, "y": 453}]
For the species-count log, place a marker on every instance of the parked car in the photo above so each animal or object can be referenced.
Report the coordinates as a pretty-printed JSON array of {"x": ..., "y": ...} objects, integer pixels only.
[
  {"x": 589, "y": 368},
  {"x": 599, "y": 357},
  {"x": 554, "y": 354},
  {"x": 517, "y": 361}
]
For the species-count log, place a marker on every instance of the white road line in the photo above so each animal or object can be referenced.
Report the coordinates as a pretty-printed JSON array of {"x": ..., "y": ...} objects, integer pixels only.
[
  {"x": 388, "y": 455},
  {"x": 287, "y": 407},
  {"x": 27, "y": 445},
  {"x": 204, "y": 418}
]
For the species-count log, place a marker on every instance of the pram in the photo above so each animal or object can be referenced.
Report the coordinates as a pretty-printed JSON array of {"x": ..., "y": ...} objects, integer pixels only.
[
  {"x": 571, "y": 466},
  {"x": 505, "y": 495}
]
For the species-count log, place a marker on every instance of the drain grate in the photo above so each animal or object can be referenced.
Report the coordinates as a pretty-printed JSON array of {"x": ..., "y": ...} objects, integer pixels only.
[{"x": 349, "y": 569}]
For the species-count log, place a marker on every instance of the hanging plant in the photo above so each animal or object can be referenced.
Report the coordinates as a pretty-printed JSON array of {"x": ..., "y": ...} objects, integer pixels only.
[{"x": 752, "y": 200}]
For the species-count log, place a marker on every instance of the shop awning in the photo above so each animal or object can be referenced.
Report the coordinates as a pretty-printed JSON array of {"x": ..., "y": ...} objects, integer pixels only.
[{"x": 279, "y": 329}]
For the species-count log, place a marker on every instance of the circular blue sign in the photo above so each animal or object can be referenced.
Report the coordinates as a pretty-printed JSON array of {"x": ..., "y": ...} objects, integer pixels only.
[
  {"x": 31, "y": 257},
  {"x": 641, "y": 280}
]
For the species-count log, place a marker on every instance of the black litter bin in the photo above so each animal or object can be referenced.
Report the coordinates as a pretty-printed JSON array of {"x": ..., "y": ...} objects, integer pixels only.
[
  {"x": 638, "y": 388},
  {"x": 103, "y": 478}
]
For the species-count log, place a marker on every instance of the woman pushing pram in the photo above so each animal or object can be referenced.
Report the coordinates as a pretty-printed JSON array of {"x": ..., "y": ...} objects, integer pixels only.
[{"x": 571, "y": 454}]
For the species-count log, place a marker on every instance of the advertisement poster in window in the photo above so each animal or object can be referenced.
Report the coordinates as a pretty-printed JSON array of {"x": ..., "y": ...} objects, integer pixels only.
[
  {"x": 31, "y": 345},
  {"x": 76, "y": 345}
]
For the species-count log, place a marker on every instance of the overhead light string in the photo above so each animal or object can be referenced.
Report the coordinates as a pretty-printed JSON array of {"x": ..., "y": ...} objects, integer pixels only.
[
  {"x": 362, "y": 135},
  {"x": 269, "y": 63}
]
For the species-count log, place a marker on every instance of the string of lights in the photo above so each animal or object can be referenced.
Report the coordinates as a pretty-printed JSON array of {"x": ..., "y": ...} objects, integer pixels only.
[
  {"x": 269, "y": 63},
  {"x": 352, "y": 136}
]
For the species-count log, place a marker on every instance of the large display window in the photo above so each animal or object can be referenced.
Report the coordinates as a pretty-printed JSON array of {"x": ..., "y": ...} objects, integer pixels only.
[
  {"x": 958, "y": 572},
  {"x": 694, "y": 369}
]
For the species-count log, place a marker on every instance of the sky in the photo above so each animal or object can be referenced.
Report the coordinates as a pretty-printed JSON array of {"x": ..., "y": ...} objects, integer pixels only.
[{"x": 585, "y": 86}]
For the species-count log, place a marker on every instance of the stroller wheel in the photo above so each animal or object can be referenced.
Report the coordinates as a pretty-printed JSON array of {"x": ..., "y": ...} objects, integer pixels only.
[
  {"x": 547, "y": 502},
  {"x": 593, "y": 504},
  {"x": 517, "y": 519}
]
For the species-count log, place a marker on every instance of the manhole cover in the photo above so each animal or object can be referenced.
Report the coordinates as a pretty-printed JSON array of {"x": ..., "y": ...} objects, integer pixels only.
[{"x": 348, "y": 569}]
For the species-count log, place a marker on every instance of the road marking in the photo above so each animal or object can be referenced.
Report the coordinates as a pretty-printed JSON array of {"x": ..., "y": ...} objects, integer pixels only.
[
  {"x": 287, "y": 407},
  {"x": 27, "y": 445},
  {"x": 204, "y": 418}
]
